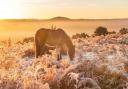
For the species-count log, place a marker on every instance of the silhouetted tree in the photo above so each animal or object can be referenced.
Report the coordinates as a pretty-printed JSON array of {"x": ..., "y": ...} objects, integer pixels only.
[
  {"x": 101, "y": 31},
  {"x": 123, "y": 31}
]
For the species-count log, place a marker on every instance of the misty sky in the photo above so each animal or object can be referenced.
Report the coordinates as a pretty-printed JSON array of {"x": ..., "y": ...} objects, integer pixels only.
[{"x": 93, "y": 9}]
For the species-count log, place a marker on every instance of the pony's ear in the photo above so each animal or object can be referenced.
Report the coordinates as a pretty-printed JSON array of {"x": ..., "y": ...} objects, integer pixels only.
[{"x": 59, "y": 29}]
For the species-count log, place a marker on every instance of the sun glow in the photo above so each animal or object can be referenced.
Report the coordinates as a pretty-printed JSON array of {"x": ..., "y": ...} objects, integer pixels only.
[
  {"x": 97, "y": 9},
  {"x": 10, "y": 9}
]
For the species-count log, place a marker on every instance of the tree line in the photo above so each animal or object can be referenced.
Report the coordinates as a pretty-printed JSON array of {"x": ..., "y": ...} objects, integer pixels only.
[{"x": 100, "y": 31}]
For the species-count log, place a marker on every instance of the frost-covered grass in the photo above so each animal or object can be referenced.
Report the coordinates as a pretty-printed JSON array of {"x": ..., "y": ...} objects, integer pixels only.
[{"x": 100, "y": 63}]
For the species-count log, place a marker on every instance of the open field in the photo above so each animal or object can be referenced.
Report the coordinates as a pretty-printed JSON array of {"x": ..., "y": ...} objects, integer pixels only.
[
  {"x": 18, "y": 29},
  {"x": 100, "y": 63}
]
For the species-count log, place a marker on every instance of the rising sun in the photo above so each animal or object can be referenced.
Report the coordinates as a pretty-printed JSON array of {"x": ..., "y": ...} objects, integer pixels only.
[{"x": 10, "y": 9}]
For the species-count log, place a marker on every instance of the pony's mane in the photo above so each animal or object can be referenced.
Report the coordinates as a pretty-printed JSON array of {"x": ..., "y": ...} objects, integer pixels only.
[{"x": 71, "y": 48}]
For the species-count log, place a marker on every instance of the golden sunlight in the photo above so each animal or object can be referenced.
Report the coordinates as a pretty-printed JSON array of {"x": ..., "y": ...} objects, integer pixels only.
[{"x": 10, "y": 9}]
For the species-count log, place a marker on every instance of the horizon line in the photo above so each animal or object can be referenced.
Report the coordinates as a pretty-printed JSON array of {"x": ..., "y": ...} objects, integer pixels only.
[{"x": 63, "y": 17}]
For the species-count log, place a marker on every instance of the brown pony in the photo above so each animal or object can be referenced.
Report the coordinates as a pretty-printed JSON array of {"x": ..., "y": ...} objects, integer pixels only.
[{"x": 57, "y": 38}]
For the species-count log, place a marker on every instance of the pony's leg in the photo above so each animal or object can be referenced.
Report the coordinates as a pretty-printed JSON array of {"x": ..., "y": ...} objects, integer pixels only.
[
  {"x": 37, "y": 51},
  {"x": 59, "y": 55},
  {"x": 58, "y": 59},
  {"x": 39, "y": 48},
  {"x": 43, "y": 50}
]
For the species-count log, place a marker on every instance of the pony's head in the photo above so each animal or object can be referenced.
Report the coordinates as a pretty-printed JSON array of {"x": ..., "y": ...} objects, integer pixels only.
[{"x": 71, "y": 52}]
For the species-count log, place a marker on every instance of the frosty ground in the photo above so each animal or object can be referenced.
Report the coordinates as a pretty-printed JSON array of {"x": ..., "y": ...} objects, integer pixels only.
[{"x": 100, "y": 63}]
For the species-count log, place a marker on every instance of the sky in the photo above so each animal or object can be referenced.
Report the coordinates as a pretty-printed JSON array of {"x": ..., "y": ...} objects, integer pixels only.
[{"x": 45, "y": 9}]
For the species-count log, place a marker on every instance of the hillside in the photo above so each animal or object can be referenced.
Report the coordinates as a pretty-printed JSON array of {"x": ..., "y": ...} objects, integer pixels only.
[{"x": 60, "y": 18}]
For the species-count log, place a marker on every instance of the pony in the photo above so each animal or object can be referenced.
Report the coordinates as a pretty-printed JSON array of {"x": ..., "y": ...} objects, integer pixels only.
[{"x": 54, "y": 38}]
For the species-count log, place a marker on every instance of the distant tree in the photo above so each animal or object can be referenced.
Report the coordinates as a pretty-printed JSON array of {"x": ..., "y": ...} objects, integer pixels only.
[
  {"x": 101, "y": 31},
  {"x": 123, "y": 30}
]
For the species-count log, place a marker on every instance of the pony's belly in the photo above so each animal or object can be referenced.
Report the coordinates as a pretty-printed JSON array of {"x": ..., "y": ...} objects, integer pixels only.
[
  {"x": 52, "y": 43},
  {"x": 48, "y": 45}
]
